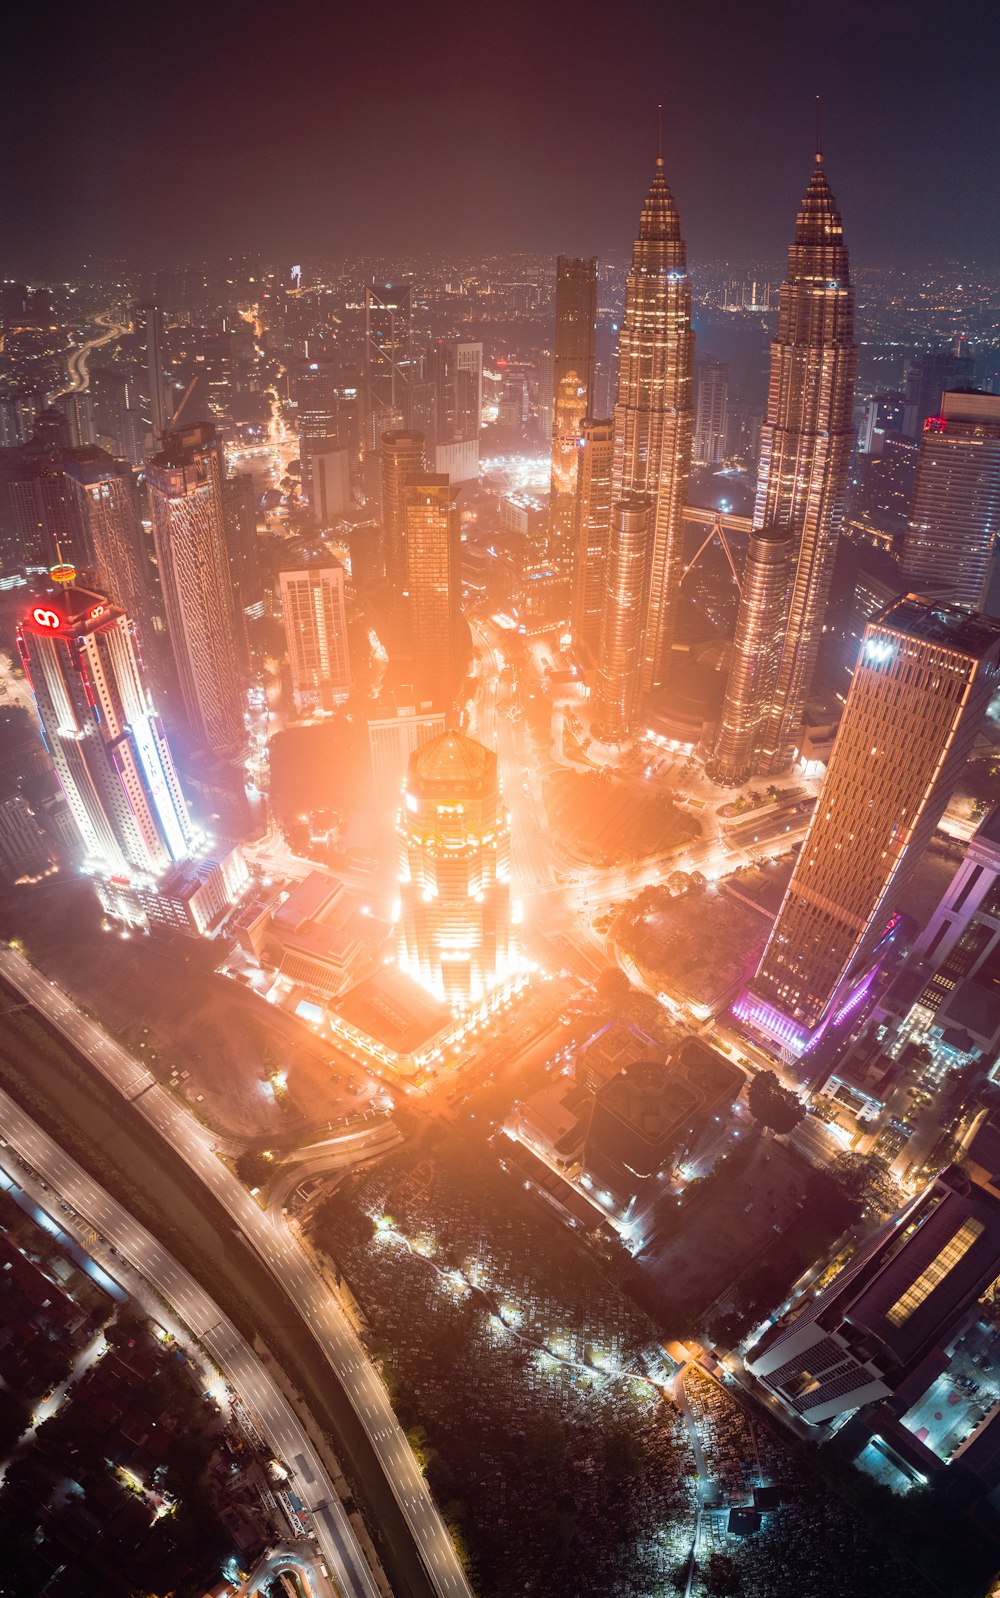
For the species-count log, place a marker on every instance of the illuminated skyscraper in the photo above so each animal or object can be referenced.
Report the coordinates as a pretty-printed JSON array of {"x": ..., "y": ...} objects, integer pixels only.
[
  {"x": 592, "y": 527},
  {"x": 106, "y": 498},
  {"x": 402, "y": 458},
  {"x": 312, "y": 604},
  {"x": 653, "y": 428},
  {"x": 760, "y": 630},
  {"x": 572, "y": 392},
  {"x": 186, "y": 499},
  {"x": 955, "y": 516},
  {"x": 626, "y": 581},
  {"x": 802, "y": 477},
  {"x": 922, "y": 685},
  {"x": 711, "y": 413},
  {"x": 104, "y": 736},
  {"x": 434, "y": 585},
  {"x": 149, "y": 395},
  {"x": 456, "y": 933}
]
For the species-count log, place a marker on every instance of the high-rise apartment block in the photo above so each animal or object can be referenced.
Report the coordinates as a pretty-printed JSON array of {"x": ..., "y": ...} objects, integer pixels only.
[
  {"x": 592, "y": 530},
  {"x": 886, "y": 1319},
  {"x": 955, "y": 516},
  {"x": 805, "y": 452},
  {"x": 653, "y": 421},
  {"x": 572, "y": 391},
  {"x": 711, "y": 413},
  {"x": 312, "y": 604},
  {"x": 456, "y": 932},
  {"x": 918, "y": 697},
  {"x": 107, "y": 502},
  {"x": 434, "y": 585},
  {"x": 187, "y": 500},
  {"x": 149, "y": 408},
  {"x": 402, "y": 458}
]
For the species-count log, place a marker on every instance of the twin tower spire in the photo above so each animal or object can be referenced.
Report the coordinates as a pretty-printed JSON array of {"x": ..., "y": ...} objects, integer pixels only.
[{"x": 801, "y": 482}]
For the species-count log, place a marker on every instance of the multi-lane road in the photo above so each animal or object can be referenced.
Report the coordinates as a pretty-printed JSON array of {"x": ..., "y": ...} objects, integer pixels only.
[
  {"x": 136, "y": 1251},
  {"x": 277, "y": 1248},
  {"x": 78, "y": 358}
]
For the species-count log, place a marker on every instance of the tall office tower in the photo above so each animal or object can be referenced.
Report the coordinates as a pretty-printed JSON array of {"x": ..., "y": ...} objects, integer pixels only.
[
  {"x": 107, "y": 500},
  {"x": 455, "y": 368},
  {"x": 973, "y": 891},
  {"x": 152, "y": 393},
  {"x": 892, "y": 1311},
  {"x": 388, "y": 360},
  {"x": 955, "y": 514},
  {"x": 711, "y": 413},
  {"x": 328, "y": 484},
  {"x": 760, "y": 627},
  {"x": 457, "y": 372},
  {"x": 592, "y": 525},
  {"x": 103, "y": 734},
  {"x": 619, "y": 670},
  {"x": 312, "y": 604},
  {"x": 653, "y": 430},
  {"x": 402, "y": 458},
  {"x": 186, "y": 482},
  {"x": 805, "y": 453},
  {"x": 954, "y": 964},
  {"x": 456, "y": 934},
  {"x": 434, "y": 585},
  {"x": 572, "y": 392},
  {"x": 926, "y": 379},
  {"x": 917, "y": 700},
  {"x": 314, "y": 387},
  {"x": 246, "y": 567}
]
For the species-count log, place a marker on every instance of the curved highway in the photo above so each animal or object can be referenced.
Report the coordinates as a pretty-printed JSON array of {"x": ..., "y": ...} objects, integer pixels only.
[
  {"x": 78, "y": 359},
  {"x": 280, "y": 1251},
  {"x": 138, "y": 1250}
]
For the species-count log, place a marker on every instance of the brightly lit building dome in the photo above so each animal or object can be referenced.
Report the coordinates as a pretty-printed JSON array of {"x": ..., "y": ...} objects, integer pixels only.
[{"x": 456, "y": 927}]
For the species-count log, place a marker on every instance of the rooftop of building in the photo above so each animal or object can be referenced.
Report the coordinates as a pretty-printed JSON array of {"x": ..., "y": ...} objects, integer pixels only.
[
  {"x": 391, "y": 1008},
  {"x": 818, "y": 221},
  {"x": 183, "y": 444},
  {"x": 307, "y": 556},
  {"x": 309, "y": 899},
  {"x": 73, "y": 608},
  {"x": 452, "y": 763},
  {"x": 954, "y": 626},
  {"x": 648, "y": 1097},
  {"x": 968, "y": 404}
]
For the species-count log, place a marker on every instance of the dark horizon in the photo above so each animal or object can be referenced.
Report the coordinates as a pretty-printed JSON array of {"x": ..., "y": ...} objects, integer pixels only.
[{"x": 466, "y": 133}]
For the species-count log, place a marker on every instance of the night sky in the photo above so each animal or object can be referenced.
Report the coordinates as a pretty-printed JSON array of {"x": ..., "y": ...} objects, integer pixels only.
[{"x": 186, "y": 131}]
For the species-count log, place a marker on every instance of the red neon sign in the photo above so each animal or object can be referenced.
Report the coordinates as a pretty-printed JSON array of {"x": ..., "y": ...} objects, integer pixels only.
[
  {"x": 936, "y": 424},
  {"x": 44, "y": 618},
  {"x": 98, "y": 610}
]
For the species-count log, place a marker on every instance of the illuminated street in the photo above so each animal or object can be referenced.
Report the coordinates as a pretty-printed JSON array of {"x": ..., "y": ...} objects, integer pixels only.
[{"x": 283, "y": 1256}]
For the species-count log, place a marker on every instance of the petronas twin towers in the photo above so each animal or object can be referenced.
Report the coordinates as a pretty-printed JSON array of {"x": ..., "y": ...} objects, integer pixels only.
[{"x": 802, "y": 477}]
